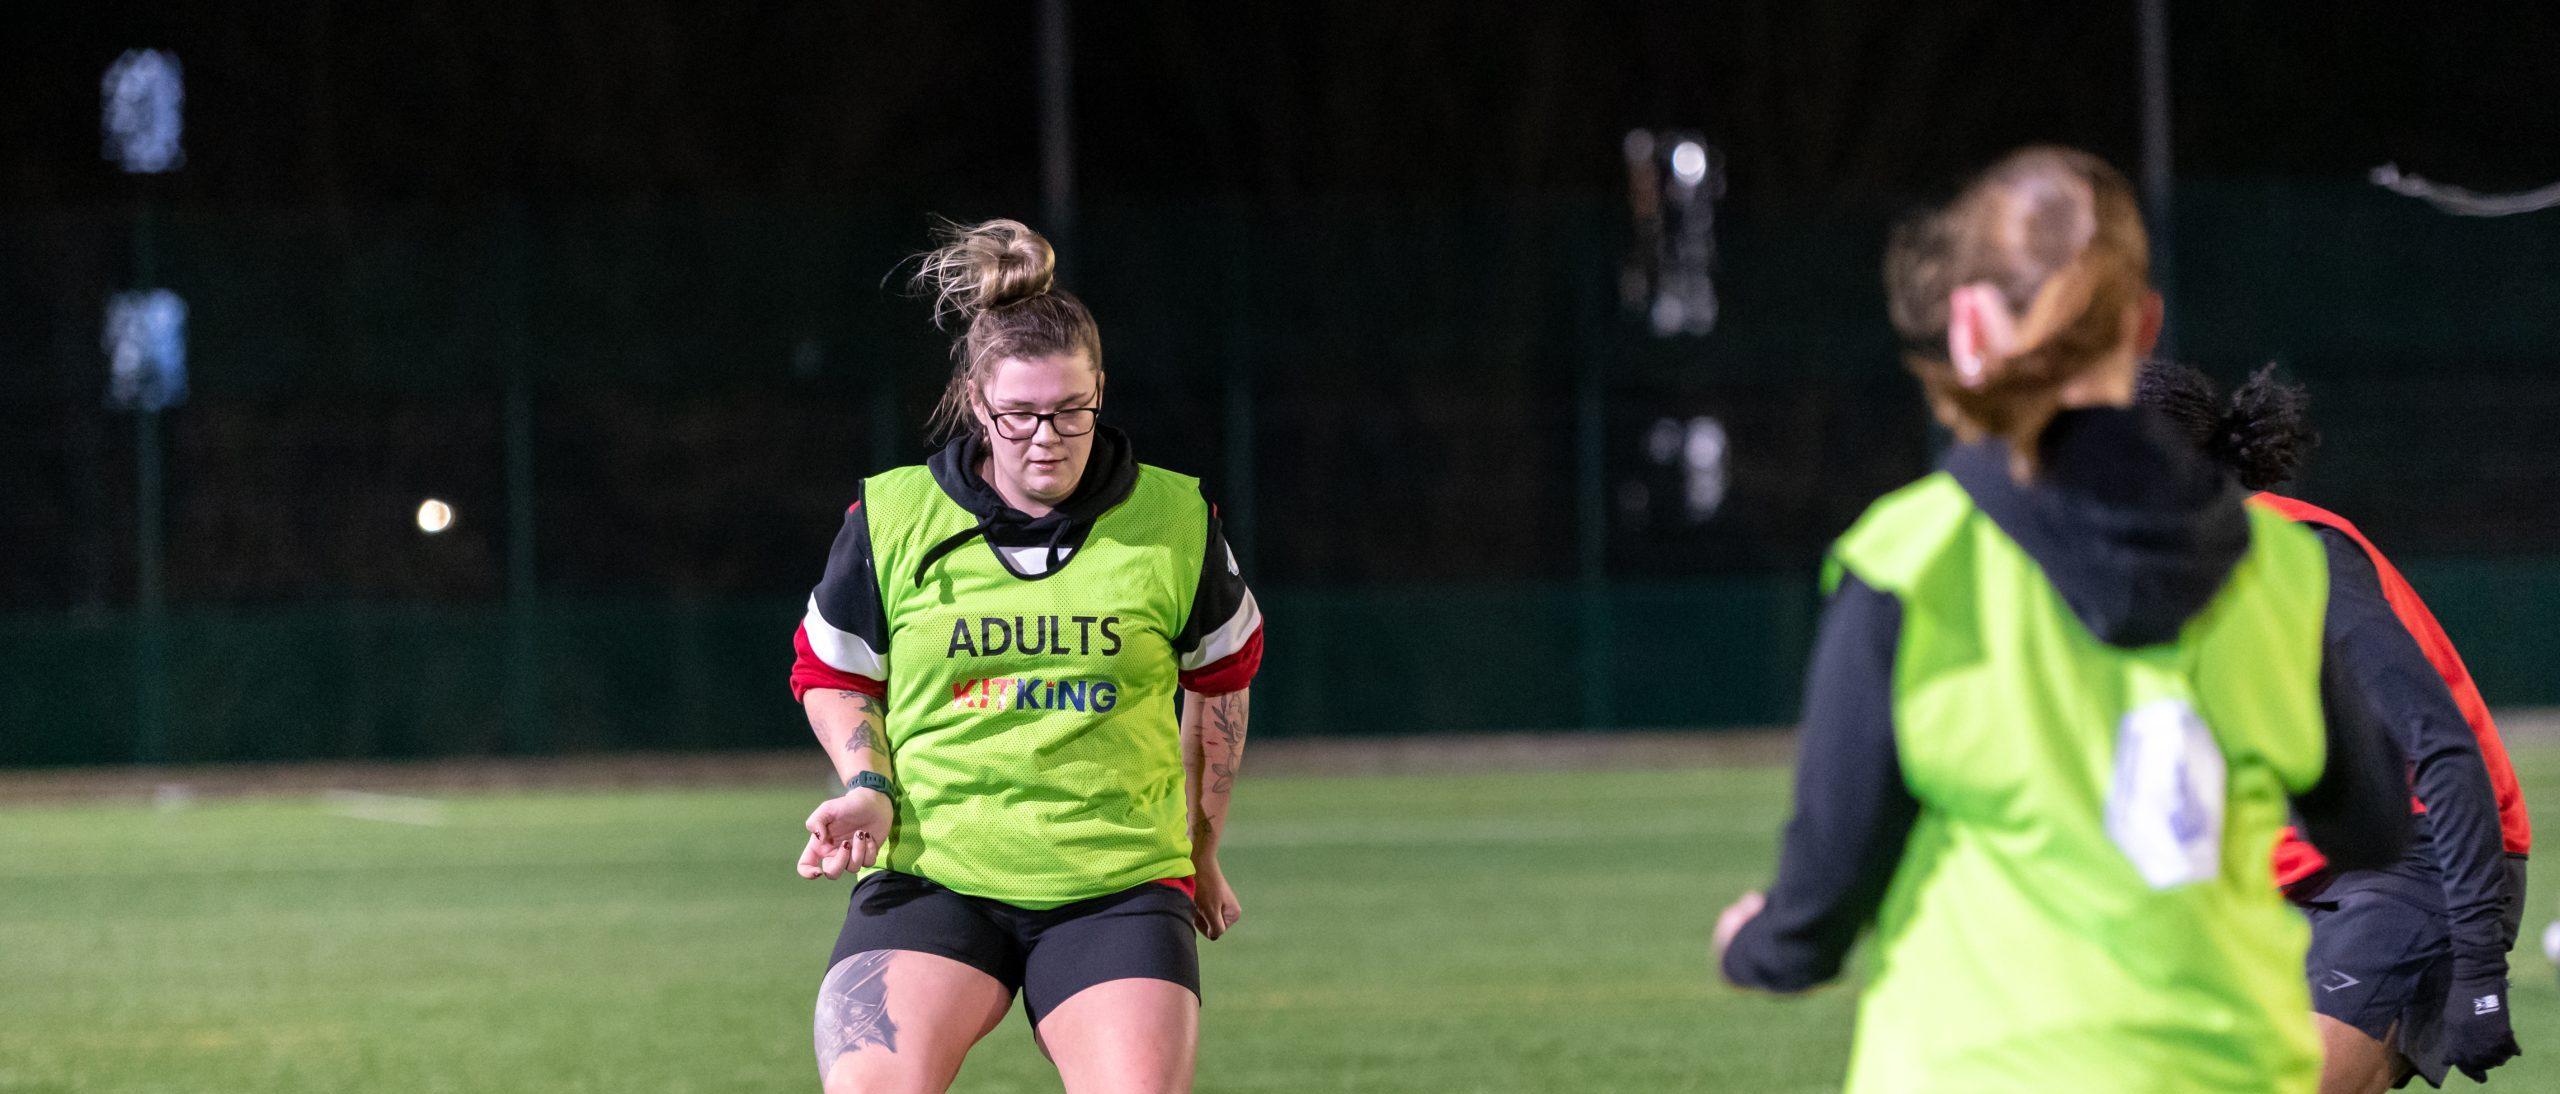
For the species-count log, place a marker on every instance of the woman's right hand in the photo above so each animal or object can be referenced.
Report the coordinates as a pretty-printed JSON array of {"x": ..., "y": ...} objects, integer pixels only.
[
  {"x": 846, "y": 833},
  {"x": 1214, "y": 907},
  {"x": 1735, "y": 917}
]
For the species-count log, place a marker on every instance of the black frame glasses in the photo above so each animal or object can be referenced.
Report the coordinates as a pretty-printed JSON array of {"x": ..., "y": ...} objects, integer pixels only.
[{"x": 1022, "y": 425}]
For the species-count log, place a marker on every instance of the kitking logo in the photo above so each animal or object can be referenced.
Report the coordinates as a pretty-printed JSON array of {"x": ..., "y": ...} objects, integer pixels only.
[{"x": 1028, "y": 693}]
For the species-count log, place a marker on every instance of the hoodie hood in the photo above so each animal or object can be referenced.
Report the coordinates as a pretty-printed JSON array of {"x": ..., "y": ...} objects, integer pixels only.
[
  {"x": 2135, "y": 529},
  {"x": 1110, "y": 474}
]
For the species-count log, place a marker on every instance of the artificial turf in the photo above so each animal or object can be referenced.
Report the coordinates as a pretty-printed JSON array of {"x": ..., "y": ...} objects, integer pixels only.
[{"x": 1481, "y": 932}]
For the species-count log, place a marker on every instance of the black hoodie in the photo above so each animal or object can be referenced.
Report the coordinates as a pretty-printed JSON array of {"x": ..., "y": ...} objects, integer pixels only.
[
  {"x": 2137, "y": 534},
  {"x": 1110, "y": 473}
]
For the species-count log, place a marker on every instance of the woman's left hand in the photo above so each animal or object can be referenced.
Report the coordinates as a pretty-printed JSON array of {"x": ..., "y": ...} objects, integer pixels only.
[{"x": 1214, "y": 907}]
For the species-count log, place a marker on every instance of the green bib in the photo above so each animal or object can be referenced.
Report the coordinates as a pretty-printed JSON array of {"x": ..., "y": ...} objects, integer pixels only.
[
  {"x": 2085, "y": 903},
  {"x": 1032, "y": 721}
]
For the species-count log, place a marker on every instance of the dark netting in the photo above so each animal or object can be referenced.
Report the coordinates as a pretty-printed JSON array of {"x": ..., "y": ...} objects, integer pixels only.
[{"x": 1474, "y": 492}]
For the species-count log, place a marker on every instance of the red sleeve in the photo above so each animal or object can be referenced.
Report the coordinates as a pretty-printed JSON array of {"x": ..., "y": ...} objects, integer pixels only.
[
  {"x": 809, "y": 672},
  {"x": 1229, "y": 674}
]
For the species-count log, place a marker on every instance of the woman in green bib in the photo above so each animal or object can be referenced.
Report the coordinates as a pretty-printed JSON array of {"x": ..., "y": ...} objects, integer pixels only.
[
  {"x": 2061, "y": 699},
  {"x": 1028, "y": 660}
]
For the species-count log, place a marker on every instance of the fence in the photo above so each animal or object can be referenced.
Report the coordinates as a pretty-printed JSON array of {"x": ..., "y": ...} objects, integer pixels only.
[{"x": 1473, "y": 494}]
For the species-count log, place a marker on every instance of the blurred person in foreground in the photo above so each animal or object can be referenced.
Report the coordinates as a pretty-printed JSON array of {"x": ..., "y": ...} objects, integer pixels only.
[
  {"x": 2408, "y": 965},
  {"x": 993, "y": 661},
  {"x": 2060, "y": 698}
]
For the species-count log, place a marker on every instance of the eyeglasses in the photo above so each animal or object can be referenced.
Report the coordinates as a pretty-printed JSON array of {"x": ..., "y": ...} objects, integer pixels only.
[{"x": 1022, "y": 425}]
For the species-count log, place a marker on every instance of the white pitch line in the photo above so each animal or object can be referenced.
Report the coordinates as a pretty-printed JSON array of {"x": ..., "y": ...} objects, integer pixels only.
[
  {"x": 1408, "y": 833},
  {"x": 387, "y": 808}
]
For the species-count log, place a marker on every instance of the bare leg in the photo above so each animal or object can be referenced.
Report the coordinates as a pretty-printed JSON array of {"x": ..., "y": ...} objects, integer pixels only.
[
  {"x": 1134, "y": 1036},
  {"x": 900, "y": 1022},
  {"x": 2352, "y": 1063}
]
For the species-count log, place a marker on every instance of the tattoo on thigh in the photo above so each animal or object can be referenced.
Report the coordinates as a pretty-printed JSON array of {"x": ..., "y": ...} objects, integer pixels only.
[{"x": 853, "y": 1008}]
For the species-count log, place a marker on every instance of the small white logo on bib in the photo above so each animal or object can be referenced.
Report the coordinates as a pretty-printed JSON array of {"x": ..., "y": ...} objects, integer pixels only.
[{"x": 2165, "y": 807}]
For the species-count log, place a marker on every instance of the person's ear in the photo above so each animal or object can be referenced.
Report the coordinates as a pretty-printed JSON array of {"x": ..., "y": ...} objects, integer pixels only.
[
  {"x": 1980, "y": 330},
  {"x": 2146, "y": 336},
  {"x": 978, "y": 410}
]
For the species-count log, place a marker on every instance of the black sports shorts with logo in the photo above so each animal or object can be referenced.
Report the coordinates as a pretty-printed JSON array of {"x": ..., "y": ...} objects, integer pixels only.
[
  {"x": 1047, "y": 955},
  {"x": 2381, "y": 957}
]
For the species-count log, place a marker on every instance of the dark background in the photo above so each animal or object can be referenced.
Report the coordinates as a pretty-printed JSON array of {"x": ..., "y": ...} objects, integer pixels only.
[
  {"x": 1822, "y": 106},
  {"x": 1355, "y": 265}
]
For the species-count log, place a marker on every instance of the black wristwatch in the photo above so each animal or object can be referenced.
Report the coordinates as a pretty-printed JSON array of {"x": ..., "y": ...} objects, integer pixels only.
[{"x": 869, "y": 780}]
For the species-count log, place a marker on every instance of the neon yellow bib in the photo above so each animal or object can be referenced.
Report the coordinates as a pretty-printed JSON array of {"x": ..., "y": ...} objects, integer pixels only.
[
  {"x": 1032, "y": 721},
  {"x": 2085, "y": 904}
]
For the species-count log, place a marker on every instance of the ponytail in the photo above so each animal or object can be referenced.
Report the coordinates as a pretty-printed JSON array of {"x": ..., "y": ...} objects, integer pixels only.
[{"x": 2056, "y": 235}]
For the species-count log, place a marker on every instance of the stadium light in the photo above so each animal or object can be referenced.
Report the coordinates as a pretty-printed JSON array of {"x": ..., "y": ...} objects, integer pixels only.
[
  {"x": 142, "y": 118},
  {"x": 1696, "y": 451},
  {"x": 1702, "y": 462},
  {"x": 1673, "y": 182},
  {"x": 143, "y": 112},
  {"x": 1689, "y": 163},
  {"x": 146, "y": 345}
]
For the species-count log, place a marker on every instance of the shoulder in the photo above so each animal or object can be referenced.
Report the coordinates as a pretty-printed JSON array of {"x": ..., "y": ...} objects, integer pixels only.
[
  {"x": 1169, "y": 498},
  {"x": 2337, "y": 537},
  {"x": 1157, "y": 480},
  {"x": 1896, "y": 538},
  {"x": 2279, "y": 596},
  {"x": 902, "y": 500},
  {"x": 898, "y": 482},
  {"x": 2298, "y": 510},
  {"x": 2292, "y": 548}
]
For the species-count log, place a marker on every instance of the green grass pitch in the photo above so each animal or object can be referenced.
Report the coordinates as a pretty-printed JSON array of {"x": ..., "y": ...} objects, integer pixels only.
[{"x": 1495, "y": 932}]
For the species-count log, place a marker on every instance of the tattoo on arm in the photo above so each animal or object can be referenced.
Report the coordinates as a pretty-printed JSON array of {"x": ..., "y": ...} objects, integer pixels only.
[
  {"x": 1223, "y": 739},
  {"x": 865, "y": 711},
  {"x": 853, "y": 1008}
]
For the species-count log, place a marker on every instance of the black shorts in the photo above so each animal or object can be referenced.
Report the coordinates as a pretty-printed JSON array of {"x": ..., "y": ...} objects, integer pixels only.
[
  {"x": 1047, "y": 955},
  {"x": 2381, "y": 958}
]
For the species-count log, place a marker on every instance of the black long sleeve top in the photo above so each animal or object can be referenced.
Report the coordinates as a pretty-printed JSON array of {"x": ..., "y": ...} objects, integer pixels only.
[{"x": 2459, "y": 850}]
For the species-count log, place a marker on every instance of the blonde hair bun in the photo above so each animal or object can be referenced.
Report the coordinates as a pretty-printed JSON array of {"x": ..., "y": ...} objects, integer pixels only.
[
  {"x": 1000, "y": 280},
  {"x": 984, "y": 267}
]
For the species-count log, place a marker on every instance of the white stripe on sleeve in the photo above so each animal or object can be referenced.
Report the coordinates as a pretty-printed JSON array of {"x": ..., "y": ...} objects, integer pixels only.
[
  {"x": 842, "y": 650},
  {"x": 1229, "y": 638}
]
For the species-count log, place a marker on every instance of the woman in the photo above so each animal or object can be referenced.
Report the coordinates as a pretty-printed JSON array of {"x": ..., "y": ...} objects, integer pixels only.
[
  {"x": 2408, "y": 965},
  {"x": 2060, "y": 698},
  {"x": 992, "y": 662}
]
